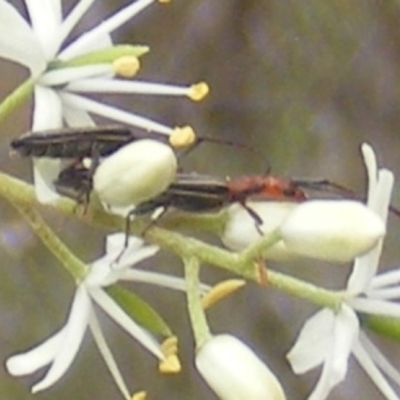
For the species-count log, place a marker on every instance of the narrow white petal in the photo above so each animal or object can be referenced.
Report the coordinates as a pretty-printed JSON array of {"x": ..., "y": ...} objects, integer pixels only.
[
  {"x": 155, "y": 278},
  {"x": 18, "y": 42},
  {"x": 36, "y": 358},
  {"x": 75, "y": 117},
  {"x": 125, "y": 322},
  {"x": 75, "y": 101},
  {"x": 47, "y": 113},
  {"x": 97, "y": 85},
  {"x": 75, "y": 328},
  {"x": 313, "y": 343},
  {"x": 45, "y": 172},
  {"x": 391, "y": 293},
  {"x": 64, "y": 75},
  {"x": 373, "y": 372},
  {"x": 380, "y": 360},
  {"x": 135, "y": 252},
  {"x": 107, "y": 355},
  {"x": 388, "y": 278},
  {"x": 345, "y": 332},
  {"x": 372, "y": 306},
  {"x": 73, "y": 17},
  {"x": 363, "y": 270},
  {"x": 46, "y": 16},
  {"x": 384, "y": 193},
  {"x": 87, "y": 40},
  {"x": 372, "y": 168},
  {"x": 323, "y": 386}
]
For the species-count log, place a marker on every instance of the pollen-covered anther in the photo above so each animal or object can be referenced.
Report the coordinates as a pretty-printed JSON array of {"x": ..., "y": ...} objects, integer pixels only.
[
  {"x": 198, "y": 91},
  {"x": 171, "y": 363},
  {"x": 164, "y": 1},
  {"x": 170, "y": 346},
  {"x": 220, "y": 291},
  {"x": 126, "y": 66},
  {"x": 182, "y": 137},
  {"x": 142, "y": 395}
]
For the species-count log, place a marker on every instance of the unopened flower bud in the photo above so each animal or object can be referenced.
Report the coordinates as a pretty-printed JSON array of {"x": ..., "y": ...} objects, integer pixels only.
[
  {"x": 135, "y": 173},
  {"x": 241, "y": 230},
  {"x": 336, "y": 231},
  {"x": 234, "y": 372}
]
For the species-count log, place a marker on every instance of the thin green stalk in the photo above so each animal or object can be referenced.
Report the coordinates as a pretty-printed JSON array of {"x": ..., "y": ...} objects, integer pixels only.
[
  {"x": 200, "y": 328},
  {"x": 73, "y": 265},
  {"x": 16, "y": 98},
  {"x": 183, "y": 246}
]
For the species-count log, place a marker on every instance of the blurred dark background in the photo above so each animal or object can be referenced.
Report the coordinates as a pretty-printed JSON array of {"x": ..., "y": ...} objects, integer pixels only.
[{"x": 304, "y": 83}]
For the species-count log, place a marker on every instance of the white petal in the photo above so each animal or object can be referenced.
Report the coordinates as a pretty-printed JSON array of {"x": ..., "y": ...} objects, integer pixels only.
[
  {"x": 65, "y": 75},
  {"x": 313, "y": 343},
  {"x": 372, "y": 168},
  {"x": 342, "y": 336},
  {"x": 76, "y": 118},
  {"x": 373, "y": 306},
  {"x": 391, "y": 293},
  {"x": 137, "y": 172},
  {"x": 107, "y": 355},
  {"x": 47, "y": 113},
  {"x": 73, "y": 17},
  {"x": 75, "y": 101},
  {"x": 46, "y": 18},
  {"x": 234, "y": 372},
  {"x": 135, "y": 252},
  {"x": 75, "y": 329},
  {"x": 391, "y": 277},
  {"x": 125, "y": 322},
  {"x": 87, "y": 40},
  {"x": 332, "y": 230},
  {"x": 371, "y": 369},
  {"x": 98, "y": 85},
  {"x": 45, "y": 172},
  {"x": 18, "y": 42},
  {"x": 155, "y": 278},
  {"x": 240, "y": 229},
  {"x": 380, "y": 360},
  {"x": 36, "y": 358}
]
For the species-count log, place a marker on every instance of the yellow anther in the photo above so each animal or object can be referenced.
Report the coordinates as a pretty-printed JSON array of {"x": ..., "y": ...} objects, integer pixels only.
[
  {"x": 126, "y": 66},
  {"x": 164, "y": 1},
  {"x": 182, "y": 137},
  {"x": 198, "y": 91},
  {"x": 220, "y": 291},
  {"x": 170, "y": 346},
  {"x": 170, "y": 365},
  {"x": 142, "y": 395}
]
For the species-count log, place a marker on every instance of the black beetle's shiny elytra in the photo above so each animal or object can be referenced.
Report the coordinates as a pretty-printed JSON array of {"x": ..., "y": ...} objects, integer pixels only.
[{"x": 78, "y": 143}]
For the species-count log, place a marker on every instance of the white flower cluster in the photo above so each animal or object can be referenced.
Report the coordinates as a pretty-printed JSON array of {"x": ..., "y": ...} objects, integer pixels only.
[{"x": 336, "y": 231}]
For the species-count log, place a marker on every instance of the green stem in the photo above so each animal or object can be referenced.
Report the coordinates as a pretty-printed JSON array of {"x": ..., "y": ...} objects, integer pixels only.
[
  {"x": 200, "y": 328},
  {"x": 17, "y": 191},
  {"x": 73, "y": 265},
  {"x": 16, "y": 98}
]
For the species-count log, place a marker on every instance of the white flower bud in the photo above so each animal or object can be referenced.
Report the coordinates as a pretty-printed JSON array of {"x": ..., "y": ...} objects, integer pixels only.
[
  {"x": 234, "y": 372},
  {"x": 240, "y": 229},
  {"x": 135, "y": 173},
  {"x": 336, "y": 231}
]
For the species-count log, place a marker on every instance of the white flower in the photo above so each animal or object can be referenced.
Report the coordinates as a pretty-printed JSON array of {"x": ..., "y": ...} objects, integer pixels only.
[
  {"x": 329, "y": 337},
  {"x": 234, "y": 372},
  {"x": 57, "y": 97},
  {"x": 60, "y": 349}
]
